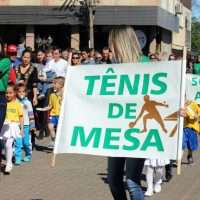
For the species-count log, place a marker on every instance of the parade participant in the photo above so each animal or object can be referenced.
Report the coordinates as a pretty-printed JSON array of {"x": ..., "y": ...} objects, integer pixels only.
[
  {"x": 55, "y": 100},
  {"x": 13, "y": 125},
  {"x": 26, "y": 73},
  {"x": 125, "y": 48},
  {"x": 169, "y": 167},
  {"x": 191, "y": 128},
  {"x": 29, "y": 124},
  {"x": 4, "y": 74},
  {"x": 154, "y": 175}
]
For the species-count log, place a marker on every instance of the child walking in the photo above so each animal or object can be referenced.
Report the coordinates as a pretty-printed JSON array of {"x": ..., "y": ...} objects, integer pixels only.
[
  {"x": 54, "y": 107},
  {"x": 154, "y": 174},
  {"x": 191, "y": 128},
  {"x": 29, "y": 124},
  {"x": 13, "y": 125}
]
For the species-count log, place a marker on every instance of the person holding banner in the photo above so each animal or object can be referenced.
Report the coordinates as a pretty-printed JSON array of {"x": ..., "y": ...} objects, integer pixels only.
[
  {"x": 191, "y": 128},
  {"x": 4, "y": 74},
  {"x": 125, "y": 49},
  {"x": 154, "y": 174}
]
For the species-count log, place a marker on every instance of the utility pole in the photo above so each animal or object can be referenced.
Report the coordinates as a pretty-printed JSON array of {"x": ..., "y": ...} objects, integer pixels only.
[{"x": 91, "y": 9}]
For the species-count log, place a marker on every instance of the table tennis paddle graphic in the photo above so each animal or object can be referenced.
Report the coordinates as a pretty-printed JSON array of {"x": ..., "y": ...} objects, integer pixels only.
[{"x": 132, "y": 124}]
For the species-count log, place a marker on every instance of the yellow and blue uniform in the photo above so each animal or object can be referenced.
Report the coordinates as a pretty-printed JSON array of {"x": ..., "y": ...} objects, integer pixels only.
[
  {"x": 191, "y": 126},
  {"x": 55, "y": 105},
  {"x": 14, "y": 111}
]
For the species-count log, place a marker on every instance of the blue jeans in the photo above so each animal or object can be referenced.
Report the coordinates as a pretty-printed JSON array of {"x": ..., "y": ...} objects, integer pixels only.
[
  {"x": 43, "y": 87},
  {"x": 23, "y": 142},
  {"x": 135, "y": 190},
  {"x": 133, "y": 172}
]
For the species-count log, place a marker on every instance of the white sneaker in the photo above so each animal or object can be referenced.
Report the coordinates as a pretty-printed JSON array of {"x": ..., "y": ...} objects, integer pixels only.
[
  {"x": 51, "y": 145},
  {"x": 8, "y": 168},
  {"x": 148, "y": 193},
  {"x": 157, "y": 188}
]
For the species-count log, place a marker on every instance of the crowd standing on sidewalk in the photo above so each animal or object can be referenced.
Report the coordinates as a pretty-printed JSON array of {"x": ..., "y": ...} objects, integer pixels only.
[{"x": 31, "y": 91}]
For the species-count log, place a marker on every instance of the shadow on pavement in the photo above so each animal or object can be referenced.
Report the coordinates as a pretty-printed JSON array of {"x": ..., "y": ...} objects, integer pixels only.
[{"x": 43, "y": 149}]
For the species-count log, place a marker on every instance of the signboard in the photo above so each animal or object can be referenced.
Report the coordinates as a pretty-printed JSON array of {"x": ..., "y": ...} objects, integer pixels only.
[{"x": 122, "y": 110}]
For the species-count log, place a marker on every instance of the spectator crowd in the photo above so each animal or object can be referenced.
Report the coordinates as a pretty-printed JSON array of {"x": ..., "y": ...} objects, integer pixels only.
[{"x": 34, "y": 95}]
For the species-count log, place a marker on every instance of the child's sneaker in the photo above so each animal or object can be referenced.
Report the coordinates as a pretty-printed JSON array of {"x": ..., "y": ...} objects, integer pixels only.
[
  {"x": 148, "y": 193},
  {"x": 18, "y": 162},
  {"x": 51, "y": 145},
  {"x": 157, "y": 188},
  {"x": 190, "y": 160},
  {"x": 8, "y": 168},
  {"x": 27, "y": 159}
]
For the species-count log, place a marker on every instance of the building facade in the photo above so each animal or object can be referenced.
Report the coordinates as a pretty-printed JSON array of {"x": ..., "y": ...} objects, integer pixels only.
[{"x": 161, "y": 25}]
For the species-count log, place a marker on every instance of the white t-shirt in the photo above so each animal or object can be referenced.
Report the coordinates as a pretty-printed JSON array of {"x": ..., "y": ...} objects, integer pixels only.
[
  {"x": 28, "y": 110},
  {"x": 59, "y": 67}
]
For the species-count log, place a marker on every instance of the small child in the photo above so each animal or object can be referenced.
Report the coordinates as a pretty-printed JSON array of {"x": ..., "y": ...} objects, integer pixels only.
[
  {"x": 29, "y": 124},
  {"x": 45, "y": 77},
  {"x": 154, "y": 175},
  {"x": 13, "y": 125},
  {"x": 191, "y": 128},
  {"x": 54, "y": 107}
]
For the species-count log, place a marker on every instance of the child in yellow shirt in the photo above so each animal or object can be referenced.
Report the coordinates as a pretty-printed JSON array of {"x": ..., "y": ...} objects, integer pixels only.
[
  {"x": 191, "y": 129},
  {"x": 13, "y": 125},
  {"x": 55, "y": 100}
]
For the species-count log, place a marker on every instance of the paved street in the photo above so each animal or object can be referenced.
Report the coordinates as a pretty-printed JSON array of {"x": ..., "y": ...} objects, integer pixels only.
[{"x": 77, "y": 177}]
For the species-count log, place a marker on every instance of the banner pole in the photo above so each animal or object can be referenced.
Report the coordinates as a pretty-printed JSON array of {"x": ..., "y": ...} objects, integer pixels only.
[
  {"x": 58, "y": 131},
  {"x": 53, "y": 160},
  {"x": 181, "y": 119}
]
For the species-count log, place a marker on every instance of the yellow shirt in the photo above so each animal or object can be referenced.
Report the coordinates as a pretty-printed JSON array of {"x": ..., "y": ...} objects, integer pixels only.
[
  {"x": 55, "y": 104},
  {"x": 14, "y": 111},
  {"x": 192, "y": 110}
]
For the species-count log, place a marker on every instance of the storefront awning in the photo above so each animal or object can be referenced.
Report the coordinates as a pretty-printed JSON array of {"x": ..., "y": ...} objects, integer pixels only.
[{"x": 104, "y": 15}]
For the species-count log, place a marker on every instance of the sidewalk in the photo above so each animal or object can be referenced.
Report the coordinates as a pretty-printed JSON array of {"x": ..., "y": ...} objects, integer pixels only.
[{"x": 78, "y": 177}]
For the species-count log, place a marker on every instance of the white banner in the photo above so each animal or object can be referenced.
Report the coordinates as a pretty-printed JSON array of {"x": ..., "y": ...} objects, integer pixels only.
[
  {"x": 122, "y": 110},
  {"x": 193, "y": 87}
]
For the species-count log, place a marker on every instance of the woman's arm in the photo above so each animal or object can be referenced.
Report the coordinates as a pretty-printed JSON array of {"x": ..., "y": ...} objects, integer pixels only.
[{"x": 34, "y": 85}]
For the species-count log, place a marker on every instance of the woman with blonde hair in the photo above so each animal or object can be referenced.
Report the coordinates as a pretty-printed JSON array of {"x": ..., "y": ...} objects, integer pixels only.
[{"x": 125, "y": 49}]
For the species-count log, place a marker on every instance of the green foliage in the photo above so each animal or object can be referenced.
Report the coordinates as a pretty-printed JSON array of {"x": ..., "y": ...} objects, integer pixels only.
[{"x": 195, "y": 35}]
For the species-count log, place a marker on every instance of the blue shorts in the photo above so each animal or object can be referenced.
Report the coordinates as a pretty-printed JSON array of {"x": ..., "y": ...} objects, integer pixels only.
[
  {"x": 54, "y": 120},
  {"x": 190, "y": 139}
]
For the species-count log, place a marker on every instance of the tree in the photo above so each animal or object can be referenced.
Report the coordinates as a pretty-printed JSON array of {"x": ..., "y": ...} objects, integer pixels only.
[
  {"x": 195, "y": 35},
  {"x": 86, "y": 13}
]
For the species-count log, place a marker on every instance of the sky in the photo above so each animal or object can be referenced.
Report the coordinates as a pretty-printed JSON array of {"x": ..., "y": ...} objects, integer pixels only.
[{"x": 196, "y": 8}]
